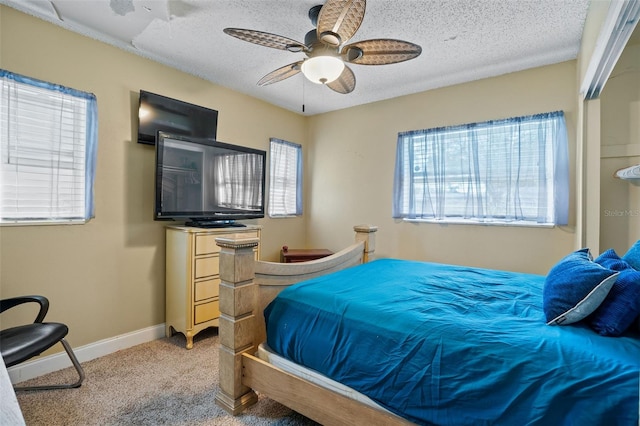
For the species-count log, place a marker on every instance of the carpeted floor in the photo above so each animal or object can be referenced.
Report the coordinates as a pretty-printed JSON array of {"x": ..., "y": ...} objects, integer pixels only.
[{"x": 156, "y": 383}]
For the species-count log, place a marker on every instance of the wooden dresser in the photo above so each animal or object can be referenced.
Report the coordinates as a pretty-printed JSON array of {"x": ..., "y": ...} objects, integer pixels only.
[{"x": 192, "y": 277}]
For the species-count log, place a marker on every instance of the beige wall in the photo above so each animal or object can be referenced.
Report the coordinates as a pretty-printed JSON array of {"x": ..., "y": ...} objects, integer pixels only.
[
  {"x": 620, "y": 130},
  {"x": 106, "y": 278},
  {"x": 353, "y": 163}
]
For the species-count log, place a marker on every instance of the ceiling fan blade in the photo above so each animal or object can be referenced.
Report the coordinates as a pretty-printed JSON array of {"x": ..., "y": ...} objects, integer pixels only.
[
  {"x": 380, "y": 52},
  {"x": 266, "y": 39},
  {"x": 339, "y": 20},
  {"x": 281, "y": 74},
  {"x": 345, "y": 83}
]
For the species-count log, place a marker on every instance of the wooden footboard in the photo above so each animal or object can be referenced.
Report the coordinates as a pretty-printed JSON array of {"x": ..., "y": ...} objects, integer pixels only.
[
  {"x": 315, "y": 402},
  {"x": 247, "y": 287}
]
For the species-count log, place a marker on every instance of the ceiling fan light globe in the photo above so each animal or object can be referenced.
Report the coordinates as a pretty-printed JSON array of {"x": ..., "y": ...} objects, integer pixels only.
[{"x": 322, "y": 69}]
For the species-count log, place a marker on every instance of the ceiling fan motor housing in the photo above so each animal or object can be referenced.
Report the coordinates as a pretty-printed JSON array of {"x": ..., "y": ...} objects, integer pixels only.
[
  {"x": 311, "y": 38},
  {"x": 313, "y": 14}
]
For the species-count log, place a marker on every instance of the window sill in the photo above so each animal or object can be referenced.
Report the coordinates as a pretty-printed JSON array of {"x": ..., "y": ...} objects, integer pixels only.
[
  {"x": 525, "y": 224},
  {"x": 44, "y": 223}
]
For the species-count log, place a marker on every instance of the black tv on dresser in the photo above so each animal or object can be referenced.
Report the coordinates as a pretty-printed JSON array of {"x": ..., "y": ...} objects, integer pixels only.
[{"x": 208, "y": 183}]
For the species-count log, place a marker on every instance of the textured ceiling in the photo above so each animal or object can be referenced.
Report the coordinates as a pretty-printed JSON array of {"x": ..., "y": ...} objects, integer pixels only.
[{"x": 462, "y": 40}]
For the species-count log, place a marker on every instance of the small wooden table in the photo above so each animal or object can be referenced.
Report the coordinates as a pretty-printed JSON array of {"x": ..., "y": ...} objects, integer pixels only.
[{"x": 288, "y": 255}]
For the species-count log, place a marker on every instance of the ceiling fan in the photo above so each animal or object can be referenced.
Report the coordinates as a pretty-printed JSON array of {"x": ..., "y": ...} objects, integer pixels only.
[{"x": 327, "y": 54}]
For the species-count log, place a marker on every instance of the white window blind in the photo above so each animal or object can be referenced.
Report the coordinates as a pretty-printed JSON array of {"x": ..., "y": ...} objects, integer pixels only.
[
  {"x": 48, "y": 138},
  {"x": 285, "y": 179},
  {"x": 504, "y": 171}
]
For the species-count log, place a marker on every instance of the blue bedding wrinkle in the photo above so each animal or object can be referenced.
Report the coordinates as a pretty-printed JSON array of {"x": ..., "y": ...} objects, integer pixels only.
[{"x": 453, "y": 345}]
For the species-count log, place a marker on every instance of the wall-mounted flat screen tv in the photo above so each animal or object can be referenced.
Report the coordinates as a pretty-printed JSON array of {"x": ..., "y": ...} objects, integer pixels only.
[
  {"x": 208, "y": 183},
  {"x": 160, "y": 113}
]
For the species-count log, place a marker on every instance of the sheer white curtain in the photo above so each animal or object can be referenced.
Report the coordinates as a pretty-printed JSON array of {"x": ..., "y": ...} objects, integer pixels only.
[
  {"x": 48, "y": 148},
  {"x": 512, "y": 170}
]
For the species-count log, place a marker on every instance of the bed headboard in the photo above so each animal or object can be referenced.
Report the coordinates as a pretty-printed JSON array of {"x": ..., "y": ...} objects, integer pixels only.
[{"x": 248, "y": 286}]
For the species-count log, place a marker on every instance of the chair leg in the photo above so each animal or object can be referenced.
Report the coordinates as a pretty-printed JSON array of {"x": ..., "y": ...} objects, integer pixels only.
[{"x": 75, "y": 363}]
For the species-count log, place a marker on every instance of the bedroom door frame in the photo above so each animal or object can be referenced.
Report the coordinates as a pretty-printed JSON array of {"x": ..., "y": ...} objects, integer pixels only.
[{"x": 616, "y": 29}]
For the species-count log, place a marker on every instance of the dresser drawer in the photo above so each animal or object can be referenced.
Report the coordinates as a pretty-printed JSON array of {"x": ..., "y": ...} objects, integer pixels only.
[
  {"x": 206, "y": 312},
  {"x": 206, "y": 289},
  {"x": 206, "y": 244},
  {"x": 207, "y": 266}
]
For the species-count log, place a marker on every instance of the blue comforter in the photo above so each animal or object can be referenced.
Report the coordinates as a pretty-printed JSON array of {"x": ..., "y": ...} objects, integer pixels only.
[{"x": 453, "y": 345}]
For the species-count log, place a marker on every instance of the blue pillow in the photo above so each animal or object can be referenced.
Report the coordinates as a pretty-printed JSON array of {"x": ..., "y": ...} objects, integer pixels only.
[
  {"x": 632, "y": 257},
  {"x": 620, "y": 308},
  {"x": 575, "y": 287},
  {"x": 610, "y": 259}
]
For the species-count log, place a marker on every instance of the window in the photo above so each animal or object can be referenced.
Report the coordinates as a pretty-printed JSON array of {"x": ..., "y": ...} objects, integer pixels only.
[
  {"x": 285, "y": 179},
  {"x": 506, "y": 171},
  {"x": 48, "y": 139}
]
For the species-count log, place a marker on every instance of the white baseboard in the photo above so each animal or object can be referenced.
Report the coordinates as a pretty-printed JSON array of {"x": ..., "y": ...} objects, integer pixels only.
[{"x": 48, "y": 364}]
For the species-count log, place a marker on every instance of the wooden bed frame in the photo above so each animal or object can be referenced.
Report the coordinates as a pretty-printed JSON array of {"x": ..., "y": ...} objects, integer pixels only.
[{"x": 247, "y": 286}]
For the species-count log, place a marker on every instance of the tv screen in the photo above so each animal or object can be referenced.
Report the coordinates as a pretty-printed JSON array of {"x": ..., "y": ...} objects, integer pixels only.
[
  {"x": 159, "y": 113},
  {"x": 208, "y": 183}
]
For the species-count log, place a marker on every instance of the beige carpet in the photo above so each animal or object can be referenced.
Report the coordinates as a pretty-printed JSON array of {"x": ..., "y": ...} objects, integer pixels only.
[{"x": 156, "y": 383}]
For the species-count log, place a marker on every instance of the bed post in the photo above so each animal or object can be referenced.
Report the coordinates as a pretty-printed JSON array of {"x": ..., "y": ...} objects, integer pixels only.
[
  {"x": 237, "y": 321},
  {"x": 367, "y": 234},
  {"x": 239, "y": 303}
]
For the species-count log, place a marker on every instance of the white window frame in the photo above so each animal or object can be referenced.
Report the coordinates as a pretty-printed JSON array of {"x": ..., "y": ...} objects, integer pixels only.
[
  {"x": 48, "y": 144},
  {"x": 512, "y": 172}
]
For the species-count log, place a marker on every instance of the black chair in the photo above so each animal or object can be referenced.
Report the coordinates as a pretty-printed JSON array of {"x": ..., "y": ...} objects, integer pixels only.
[{"x": 23, "y": 342}]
